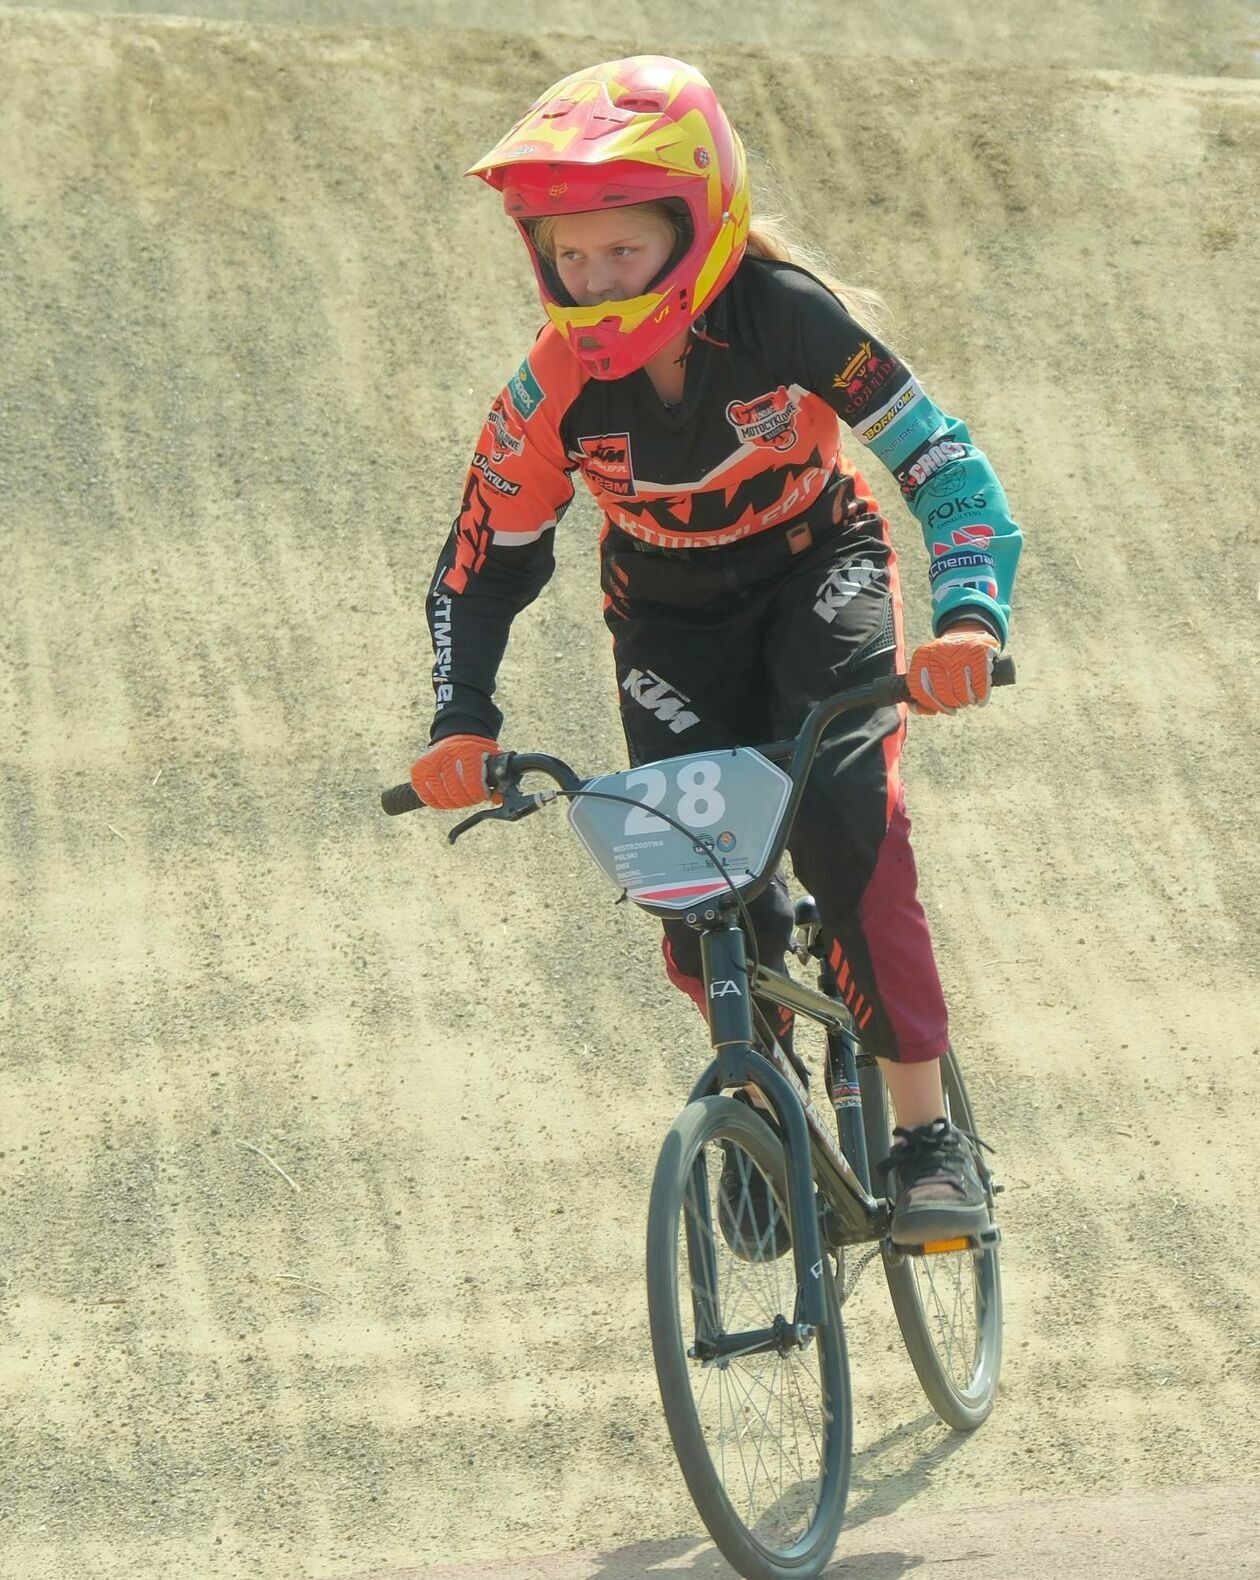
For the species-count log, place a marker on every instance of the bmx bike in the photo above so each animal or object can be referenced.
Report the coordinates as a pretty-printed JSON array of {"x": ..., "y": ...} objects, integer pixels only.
[{"x": 756, "y": 1198}]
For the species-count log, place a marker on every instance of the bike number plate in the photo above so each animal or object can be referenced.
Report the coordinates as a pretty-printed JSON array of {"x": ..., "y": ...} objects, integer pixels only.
[{"x": 728, "y": 802}]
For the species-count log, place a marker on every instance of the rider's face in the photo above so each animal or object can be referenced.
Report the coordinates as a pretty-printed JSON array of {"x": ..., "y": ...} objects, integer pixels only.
[{"x": 610, "y": 255}]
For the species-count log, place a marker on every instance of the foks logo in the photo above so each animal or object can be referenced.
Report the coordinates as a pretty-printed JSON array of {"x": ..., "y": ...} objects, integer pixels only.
[
  {"x": 962, "y": 504},
  {"x": 767, "y": 420}
]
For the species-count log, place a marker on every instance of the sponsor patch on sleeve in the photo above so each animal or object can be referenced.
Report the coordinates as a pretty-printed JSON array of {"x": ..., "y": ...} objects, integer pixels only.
[
  {"x": 964, "y": 581},
  {"x": 907, "y": 397},
  {"x": 526, "y": 393},
  {"x": 936, "y": 456},
  {"x": 501, "y": 441},
  {"x": 977, "y": 565},
  {"x": 864, "y": 377},
  {"x": 496, "y": 480}
]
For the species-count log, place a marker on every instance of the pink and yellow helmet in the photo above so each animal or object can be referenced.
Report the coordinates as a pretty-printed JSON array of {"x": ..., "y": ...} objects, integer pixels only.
[{"x": 647, "y": 129}]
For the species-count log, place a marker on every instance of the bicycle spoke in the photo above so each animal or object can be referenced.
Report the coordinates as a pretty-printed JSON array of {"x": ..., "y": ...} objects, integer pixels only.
[
  {"x": 780, "y": 1435},
  {"x": 949, "y": 1306},
  {"x": 958, "y": 1353},
  {"x": 765, "y": 1435},
  {"x": 769, "y": 1425}
]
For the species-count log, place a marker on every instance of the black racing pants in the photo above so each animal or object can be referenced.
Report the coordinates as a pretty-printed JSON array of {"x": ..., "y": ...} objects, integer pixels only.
[{"x": 733, "y": 647}]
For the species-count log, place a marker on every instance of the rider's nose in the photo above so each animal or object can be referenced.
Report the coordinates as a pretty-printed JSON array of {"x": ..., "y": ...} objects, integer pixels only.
[{"x": 601, "y": 284}]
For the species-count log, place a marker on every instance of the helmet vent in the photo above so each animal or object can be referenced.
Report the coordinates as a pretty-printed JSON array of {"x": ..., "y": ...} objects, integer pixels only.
[{"x": 643, "y": 103}]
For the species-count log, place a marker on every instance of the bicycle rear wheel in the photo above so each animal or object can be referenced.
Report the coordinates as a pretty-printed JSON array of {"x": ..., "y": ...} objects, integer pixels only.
[
  {"x": 764, "y": 1439},
  {"x": 948, "y": 1304}
]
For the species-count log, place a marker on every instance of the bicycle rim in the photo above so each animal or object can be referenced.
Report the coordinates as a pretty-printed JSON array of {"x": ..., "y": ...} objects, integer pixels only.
[
  {"x": 948, "y": 1305},
  {"x": 764, "y": 1440}
]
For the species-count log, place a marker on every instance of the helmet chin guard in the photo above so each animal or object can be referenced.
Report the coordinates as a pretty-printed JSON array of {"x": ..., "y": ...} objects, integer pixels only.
[{"x": 644, "y": 130}]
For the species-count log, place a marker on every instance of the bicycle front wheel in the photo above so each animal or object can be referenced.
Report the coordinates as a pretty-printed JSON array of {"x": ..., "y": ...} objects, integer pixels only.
[
  {"x": 948, "y": 1304},
  {"x": 764, "y": 1437}
]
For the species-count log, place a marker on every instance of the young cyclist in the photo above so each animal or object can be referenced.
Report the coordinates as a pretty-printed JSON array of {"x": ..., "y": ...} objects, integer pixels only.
[{"x": 697, "y": 380}]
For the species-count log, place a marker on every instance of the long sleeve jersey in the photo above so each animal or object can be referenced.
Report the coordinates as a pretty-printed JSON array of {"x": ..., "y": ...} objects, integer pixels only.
[{"x": 774, "y": 367}]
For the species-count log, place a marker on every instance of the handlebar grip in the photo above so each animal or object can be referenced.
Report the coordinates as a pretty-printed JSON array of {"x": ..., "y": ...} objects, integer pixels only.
[
  {"x": 401, "y": 798},
  {"x": 891, "y": 689}
]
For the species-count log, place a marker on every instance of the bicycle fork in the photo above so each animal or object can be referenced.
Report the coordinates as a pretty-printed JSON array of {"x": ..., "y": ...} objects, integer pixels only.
[{"x": 739, "y": 1063}]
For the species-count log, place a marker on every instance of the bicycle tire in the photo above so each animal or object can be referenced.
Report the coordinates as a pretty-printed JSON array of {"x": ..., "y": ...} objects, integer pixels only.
[
  {"x": 959, "y": 1375},
  {"x": 680, "y": 1184}
]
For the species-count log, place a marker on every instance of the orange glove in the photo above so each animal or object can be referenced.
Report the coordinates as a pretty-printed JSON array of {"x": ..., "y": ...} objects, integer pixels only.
[
  {"x": 452, "y": 773},
  {"x": 952, "y": 670}
]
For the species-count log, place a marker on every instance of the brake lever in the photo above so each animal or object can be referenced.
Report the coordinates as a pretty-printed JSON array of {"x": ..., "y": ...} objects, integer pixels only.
[
  {"x": 514, "y": 806},
  {"x": 470, "y": 822}
]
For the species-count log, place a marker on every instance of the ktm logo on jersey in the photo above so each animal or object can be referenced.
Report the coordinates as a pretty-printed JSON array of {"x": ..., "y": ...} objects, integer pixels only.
[
  {"x": 768, "y": 420},
  {"x": 605, "y": 461}
]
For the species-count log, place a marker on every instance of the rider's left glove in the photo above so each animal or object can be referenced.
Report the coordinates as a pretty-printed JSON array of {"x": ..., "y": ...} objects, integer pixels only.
[
  {"x": 452, "y": 773},
  {"x": 953, "y": 669}
]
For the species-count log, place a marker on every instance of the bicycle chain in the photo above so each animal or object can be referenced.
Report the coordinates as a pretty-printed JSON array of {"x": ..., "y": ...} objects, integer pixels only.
[{"x": 850, "y": 1283}]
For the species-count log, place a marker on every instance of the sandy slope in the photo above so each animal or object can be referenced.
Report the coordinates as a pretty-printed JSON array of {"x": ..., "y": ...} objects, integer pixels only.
[
  {"x": 251, "y": 319},
  {"x": 1210, "y": 37}
]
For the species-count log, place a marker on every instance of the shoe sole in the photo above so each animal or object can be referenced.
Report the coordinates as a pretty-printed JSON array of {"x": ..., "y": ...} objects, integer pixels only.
[{"x": 924, "y": 1225}]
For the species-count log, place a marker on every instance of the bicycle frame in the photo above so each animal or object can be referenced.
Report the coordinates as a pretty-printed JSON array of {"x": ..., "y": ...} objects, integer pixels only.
[{"x": 855, "y": 1215}]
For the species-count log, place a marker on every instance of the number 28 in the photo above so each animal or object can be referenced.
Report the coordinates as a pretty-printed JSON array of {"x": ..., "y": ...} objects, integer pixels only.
[{"x": 700, "y": 804}]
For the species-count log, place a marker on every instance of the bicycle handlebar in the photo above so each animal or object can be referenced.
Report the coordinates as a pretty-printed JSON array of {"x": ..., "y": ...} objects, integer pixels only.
[{"x": 504, "y": 772}]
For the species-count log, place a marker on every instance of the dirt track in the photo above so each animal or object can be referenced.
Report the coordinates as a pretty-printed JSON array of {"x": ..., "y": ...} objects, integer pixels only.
[{"x": 251, "y": 320}]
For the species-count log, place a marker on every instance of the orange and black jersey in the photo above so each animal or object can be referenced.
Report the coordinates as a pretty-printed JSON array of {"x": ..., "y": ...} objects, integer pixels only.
[{"x": 753, "y": 447}]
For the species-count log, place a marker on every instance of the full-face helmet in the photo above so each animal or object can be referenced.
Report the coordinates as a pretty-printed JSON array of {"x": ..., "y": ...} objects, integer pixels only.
[{"x": 643, "y": 130}]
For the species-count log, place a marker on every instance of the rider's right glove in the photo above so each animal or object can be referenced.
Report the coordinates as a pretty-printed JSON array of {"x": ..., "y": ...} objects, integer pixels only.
[{"x": 452, "y": 773}]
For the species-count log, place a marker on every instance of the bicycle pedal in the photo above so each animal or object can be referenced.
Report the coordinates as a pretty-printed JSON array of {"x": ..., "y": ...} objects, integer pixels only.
[
  {"x": 962, "y": 1242},
  {"x": 986, "y": 1240}
]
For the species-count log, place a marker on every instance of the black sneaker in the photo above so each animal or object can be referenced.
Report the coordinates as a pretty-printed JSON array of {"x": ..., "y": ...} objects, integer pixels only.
[
  {"x": 935, "y": 1186},
  {"x": 750, "y": 1216}
]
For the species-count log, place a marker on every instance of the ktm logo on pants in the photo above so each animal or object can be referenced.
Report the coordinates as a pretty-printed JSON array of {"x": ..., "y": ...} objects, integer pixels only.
[
  {"x": 842, "y": 586},
  {"x": 660, "y": 698}
]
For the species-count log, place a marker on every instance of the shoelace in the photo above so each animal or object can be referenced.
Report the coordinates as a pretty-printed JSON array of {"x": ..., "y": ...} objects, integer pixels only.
[{"x": 919, "y": 1139}]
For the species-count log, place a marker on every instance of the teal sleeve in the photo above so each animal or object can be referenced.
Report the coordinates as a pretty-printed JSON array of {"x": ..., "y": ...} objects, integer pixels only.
[
  {"x": 954, "y": 494},
  {"x": 946, "y": 480}
]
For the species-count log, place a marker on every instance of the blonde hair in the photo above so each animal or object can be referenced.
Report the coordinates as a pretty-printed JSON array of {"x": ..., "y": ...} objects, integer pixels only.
[{"x": 768, "y": 237}]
